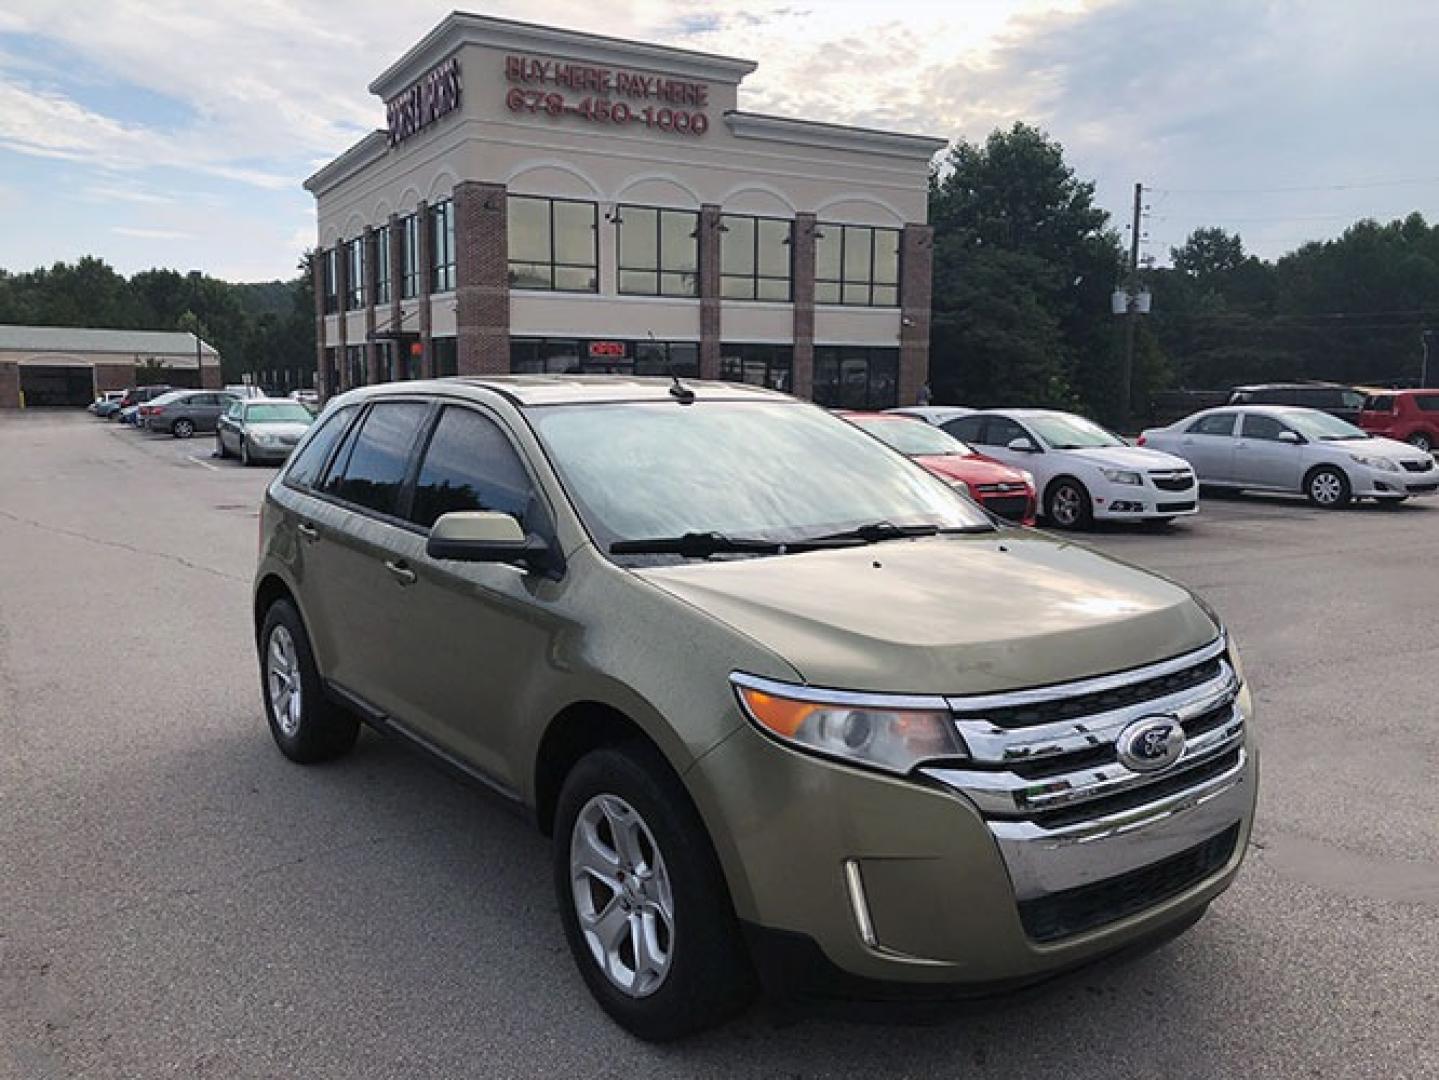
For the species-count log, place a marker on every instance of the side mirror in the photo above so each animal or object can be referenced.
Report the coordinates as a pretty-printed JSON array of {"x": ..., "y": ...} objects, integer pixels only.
[
  {"x": 1022, "y": 445},
  {"x": 485, "y": 536},
  {"x": 1291, "y": 437}
]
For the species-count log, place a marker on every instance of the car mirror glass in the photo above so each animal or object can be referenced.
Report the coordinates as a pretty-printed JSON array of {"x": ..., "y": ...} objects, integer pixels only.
[
  {"x": 1290, "y": 437},
  {"x": 1022, "y": 445}
]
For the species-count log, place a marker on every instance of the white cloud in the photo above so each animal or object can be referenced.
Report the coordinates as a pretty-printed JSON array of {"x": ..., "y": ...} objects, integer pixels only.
[{"x": 140, "y": 232}]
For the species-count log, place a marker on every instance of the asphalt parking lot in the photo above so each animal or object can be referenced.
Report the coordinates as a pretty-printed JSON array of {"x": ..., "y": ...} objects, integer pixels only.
[{"x": 178, "y": 900}]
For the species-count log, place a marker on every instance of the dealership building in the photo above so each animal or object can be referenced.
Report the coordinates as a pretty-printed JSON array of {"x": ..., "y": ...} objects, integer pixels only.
[
  {"x": 67, "y": 365},
  {"x": 544, "y": 200}
]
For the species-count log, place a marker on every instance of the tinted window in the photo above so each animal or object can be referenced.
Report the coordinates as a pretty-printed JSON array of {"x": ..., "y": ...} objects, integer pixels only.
[
  {"x": 1213, "y": 424},
  {"x": 1383, "y": 404},
  {"x": 966, "y": 428},
  {"x": 469, "y": 465},
  {"x": 370, "y": 471},
  {"x": 1427, "y": 402},
  {"x": 1256, "y": 426},
  {"x": 1002, "y": 431},
  {"x": 306, "y": 465}
]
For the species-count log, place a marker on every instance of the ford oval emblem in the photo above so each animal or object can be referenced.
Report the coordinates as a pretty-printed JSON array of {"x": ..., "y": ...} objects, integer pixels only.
[{"x": 1150, "y": 743}]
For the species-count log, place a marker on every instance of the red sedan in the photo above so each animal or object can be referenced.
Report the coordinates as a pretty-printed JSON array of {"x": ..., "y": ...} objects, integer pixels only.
[{"x": 1000, "y": 489}]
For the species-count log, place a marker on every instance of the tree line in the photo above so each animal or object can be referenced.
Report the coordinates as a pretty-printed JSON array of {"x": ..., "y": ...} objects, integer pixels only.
[
  {"x": 263, "y": 329},
  {"x": 1025, "y": 265}
]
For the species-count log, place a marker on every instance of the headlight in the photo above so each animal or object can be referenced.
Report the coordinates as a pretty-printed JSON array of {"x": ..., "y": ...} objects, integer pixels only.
[
  {"x": 1121, "y": 476},
  {"x": 1382, "y": 464},
  {"x": 887, "y": 732}
]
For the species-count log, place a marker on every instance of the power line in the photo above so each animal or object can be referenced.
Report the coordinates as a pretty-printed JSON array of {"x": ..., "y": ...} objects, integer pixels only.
[{"x": 1360, "y": 185}]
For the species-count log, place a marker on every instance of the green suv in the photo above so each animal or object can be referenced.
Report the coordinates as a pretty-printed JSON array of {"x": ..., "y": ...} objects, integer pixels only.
[{"x": 793, "y": 712}]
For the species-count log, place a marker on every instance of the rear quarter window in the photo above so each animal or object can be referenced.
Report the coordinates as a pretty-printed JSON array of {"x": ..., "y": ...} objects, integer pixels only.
[{"x": 1427, "y": 402}]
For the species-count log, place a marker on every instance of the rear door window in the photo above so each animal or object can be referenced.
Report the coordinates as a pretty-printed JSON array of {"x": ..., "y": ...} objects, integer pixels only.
[
  {"x": 305, "y": 466},
  {"x": 470, "y": 464},
  {"x": 1213, "y": 424},
  {"x": 1378, "y": 403},
  {"x": 370, "y": 469}
]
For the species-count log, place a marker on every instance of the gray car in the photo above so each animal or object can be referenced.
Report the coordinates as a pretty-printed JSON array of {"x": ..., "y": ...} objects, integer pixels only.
[
  {"x": 261, "y": 429},
  {"x": 1290, "y": 449},
  {"x": 181, "y": 413}
]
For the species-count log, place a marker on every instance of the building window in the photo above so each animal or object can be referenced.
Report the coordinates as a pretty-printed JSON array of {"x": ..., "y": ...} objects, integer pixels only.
[
  {"x": 355, "y": 274},
  {"x": 382, "y": 265},
  {"x": 856, "y": 377},
  {"x": 604, "y": 356},
  {"x": 447, "y": 357},
  {"x": 755, "y": 258},
  {"x": 856, "y": 265},
  {"x": 410, "y": 257},
  {"x": 553, "y": 244},
  {"x": 760, "y": 365},
  {"x": 442, "y": 247},
  {"x": 355, "y": 364},
  {"x": 330, "y": 279},
  {"x": 659, "y": 251}
]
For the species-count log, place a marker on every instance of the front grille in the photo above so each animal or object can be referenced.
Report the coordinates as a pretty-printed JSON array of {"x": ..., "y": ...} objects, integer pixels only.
[
  {"x": 1175, "y": 508},
  {"x": 1172, "y": 481},
  {"x": 1073, "y": 911},
  {"x": 1010, "y": 507},
  {"x": 1418, "y": 466}
]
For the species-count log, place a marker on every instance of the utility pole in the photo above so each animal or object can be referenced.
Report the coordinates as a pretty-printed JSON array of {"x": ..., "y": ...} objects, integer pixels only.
[{"x": 1131, "y": 315}]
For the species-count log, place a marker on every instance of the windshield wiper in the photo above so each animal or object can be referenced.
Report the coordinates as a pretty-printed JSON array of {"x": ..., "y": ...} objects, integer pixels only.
[
  {"x": 874, "y": 532},
  {"x": 705, "y": 545}
]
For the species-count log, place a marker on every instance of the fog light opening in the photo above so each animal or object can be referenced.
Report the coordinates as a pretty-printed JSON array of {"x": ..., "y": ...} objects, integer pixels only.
[{"x": 859, "y": 904}]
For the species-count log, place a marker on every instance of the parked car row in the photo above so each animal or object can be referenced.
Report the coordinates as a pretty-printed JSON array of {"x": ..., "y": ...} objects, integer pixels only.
[{"x": 246, "y": 424}]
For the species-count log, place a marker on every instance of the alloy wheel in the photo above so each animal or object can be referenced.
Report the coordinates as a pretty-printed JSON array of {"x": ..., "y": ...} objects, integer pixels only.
[
  {"x": 622, "y": 895},
  {"x": 282, "y": 672},
  {"x": 1326, "y": 488},
  {"x": 1065, "y": 506}
]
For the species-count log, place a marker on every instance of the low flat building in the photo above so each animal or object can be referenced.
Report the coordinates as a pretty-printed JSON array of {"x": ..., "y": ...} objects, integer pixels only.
[
  {"x": 544, "y": 200},
  {"x": 68, "y": 365}
]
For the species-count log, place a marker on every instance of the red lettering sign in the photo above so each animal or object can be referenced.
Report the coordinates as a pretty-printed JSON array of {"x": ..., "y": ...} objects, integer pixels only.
[
  {"x": 661, "y": 104},
  {"x": 609, "y": 349}
]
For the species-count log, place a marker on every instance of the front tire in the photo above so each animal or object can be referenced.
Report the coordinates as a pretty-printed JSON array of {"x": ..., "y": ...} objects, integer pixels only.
[
  {"x": 1328, "y": 488},
  {"x": 245, "y": 458},
  {"x": 644, "y": 903},
  {"x": 1067, "y": 504},
  {"x": 307, "y": 726}
]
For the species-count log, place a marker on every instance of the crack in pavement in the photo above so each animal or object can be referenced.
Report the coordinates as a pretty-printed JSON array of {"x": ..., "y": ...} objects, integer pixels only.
[{"x": 76, "y": 534}]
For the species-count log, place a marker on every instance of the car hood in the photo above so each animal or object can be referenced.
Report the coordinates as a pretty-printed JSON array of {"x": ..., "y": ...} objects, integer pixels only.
[
  {"x": 1390, "y": 449},
  {"x": 293, "y": 428},
  {"x": 972, "y": 469},
  {"x": 1128, "y": 457},
  {"x": 948, "y": 614}
]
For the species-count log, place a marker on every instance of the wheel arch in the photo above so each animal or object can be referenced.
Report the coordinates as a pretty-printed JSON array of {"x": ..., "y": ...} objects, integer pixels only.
[
  {"x": 270, "y": 588},
  {"x": 1054, "y": 482}
]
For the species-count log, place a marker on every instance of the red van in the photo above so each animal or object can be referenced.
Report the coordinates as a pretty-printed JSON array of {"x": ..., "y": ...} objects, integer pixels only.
[{"x": 1410, "y": 416}]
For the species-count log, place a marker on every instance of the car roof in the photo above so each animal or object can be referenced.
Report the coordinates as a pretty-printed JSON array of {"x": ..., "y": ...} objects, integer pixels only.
[
  {"x": 894, "y": 417},
  {"x": 574, "y": 389},
  {"x": 925, "y": 412},
  {"x": 1023, "y": 413}
]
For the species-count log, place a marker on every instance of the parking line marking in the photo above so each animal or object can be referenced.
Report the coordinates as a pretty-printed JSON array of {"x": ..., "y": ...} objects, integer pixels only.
[{"x": 203, "y": 464}]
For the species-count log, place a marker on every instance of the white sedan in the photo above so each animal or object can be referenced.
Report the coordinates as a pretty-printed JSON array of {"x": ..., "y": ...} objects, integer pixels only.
[
  {"x": 1290, "y": 449},
  {"x": 1082, "y": 472}
]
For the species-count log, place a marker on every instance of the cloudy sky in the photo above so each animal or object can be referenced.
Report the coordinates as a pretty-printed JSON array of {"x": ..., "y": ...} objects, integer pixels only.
[{"x": 176, "y": 133}]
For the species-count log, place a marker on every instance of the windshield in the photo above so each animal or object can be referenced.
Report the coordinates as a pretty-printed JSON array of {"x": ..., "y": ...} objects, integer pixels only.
[
  {"x": 280, "y": 411},
  {"x": 1071, "y": 432},
  {"x": 1313, "y": 424},
  {"x": 771, "y": 471},
  {"x": 912, "y": 437}
]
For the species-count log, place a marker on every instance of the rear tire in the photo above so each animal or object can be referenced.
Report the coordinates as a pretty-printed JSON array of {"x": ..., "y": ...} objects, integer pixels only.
[
  {"x": 1421, "y": 440},
  {"x": 1328, "y": 488},
  {"x": 1067, "y": 504},
  {"x": 623, "y": 810},
  {"x": 182, "y": 428},
  {"x": 307, "y": 726}
]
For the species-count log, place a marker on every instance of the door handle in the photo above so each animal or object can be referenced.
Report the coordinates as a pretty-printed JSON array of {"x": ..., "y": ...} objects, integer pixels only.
[
  {"x": 308, "y": 531},
  {"x": 401, "y": 571}
]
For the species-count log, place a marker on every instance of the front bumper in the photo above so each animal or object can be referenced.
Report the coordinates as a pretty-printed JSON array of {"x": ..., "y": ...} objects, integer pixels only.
[
  {"x": 899, "y": 880},
  {"x": 1141, "y": 502},
  {"x": 1379, "y": 483}
]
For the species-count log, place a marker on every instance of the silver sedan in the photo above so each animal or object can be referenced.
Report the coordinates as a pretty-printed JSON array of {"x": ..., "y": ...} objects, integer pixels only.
[
  {"x": 1290, "y": 449},
  {"x": 261, "y": 429}
]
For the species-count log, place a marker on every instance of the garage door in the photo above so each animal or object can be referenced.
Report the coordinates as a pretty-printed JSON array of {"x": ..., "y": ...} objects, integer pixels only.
[{"x": 56, "y": 386}]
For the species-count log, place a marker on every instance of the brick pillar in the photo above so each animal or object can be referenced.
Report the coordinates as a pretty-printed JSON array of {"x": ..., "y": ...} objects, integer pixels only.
[
  {"x": 427, "y": 362},
  {"x": 916, "y": 257},
  {"x": 709, "y": 254},
  {"x": 398, "y": 352},
  {"x": 9, "y": 384},
  {"x": 373, "y": 374},
  {"x": 317, "y": 280},
  {"x": 342, "y": 288},
  {"x": 802, "y": 250},
  {"x": 482, "y": 294}
]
